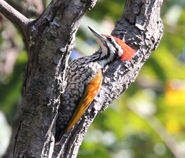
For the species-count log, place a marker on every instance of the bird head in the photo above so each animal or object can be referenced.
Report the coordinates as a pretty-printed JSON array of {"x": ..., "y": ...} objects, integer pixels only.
[{"x": 113, "y": 47}]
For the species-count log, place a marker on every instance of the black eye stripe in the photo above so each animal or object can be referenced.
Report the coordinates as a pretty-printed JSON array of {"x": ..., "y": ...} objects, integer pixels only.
[
  {"x": 115, "y": 45},
  {"x": 110, "y": 39},
  {"x": 111, "y": 52}
]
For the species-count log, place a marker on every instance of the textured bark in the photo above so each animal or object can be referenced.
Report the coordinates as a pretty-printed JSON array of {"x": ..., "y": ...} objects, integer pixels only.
[
  {"x": 50, "y": 39},
  {"x": 141, "y": 27}
]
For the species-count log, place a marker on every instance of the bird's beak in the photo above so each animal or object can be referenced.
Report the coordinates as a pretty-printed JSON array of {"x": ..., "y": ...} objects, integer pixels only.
[{"x": 100, "y": 38}]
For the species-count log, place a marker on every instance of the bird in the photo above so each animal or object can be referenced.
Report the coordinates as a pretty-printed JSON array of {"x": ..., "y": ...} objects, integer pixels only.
[{"x": 84, "y": 78}]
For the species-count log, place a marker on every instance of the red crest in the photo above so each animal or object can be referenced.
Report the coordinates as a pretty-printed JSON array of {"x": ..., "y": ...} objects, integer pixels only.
[{"x": 128, "y": 52}]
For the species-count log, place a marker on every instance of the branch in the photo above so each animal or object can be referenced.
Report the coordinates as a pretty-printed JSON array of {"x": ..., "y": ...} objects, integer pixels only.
[
  {"x": 50, "y": 41},
  {"x": 22, "y": 9},
  {"x": 141, "y": 27},
  {"x": 19, "y": 20}
]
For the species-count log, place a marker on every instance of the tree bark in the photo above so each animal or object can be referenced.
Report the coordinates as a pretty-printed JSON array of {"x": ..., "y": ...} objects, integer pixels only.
[{"x": 49, "y": 40}]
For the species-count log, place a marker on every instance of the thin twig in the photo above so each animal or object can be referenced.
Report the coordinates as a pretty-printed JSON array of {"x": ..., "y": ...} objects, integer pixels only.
[
  {"x": 22, "y": 9},
  {"x": 19, "y": 20}
]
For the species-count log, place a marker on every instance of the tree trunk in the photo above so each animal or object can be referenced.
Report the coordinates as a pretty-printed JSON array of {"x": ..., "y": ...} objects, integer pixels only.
[{"x": 49, "y": 40}]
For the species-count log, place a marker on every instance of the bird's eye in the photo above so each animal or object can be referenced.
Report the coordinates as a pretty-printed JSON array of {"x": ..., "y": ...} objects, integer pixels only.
[{"x": 109, "y": 39}]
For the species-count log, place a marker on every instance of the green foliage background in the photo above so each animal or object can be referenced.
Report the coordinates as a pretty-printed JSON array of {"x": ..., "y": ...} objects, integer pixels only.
[{"x": 142, "y": 122}]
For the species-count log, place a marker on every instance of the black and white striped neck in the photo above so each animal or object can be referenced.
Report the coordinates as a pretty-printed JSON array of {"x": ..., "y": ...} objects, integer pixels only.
[
  {"x": 112, "y": 48},
  {"x": 111, "y": 51}
]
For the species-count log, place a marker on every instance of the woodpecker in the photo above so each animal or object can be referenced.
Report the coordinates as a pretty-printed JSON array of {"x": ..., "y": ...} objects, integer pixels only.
[{"x": 84, "y": 80}]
